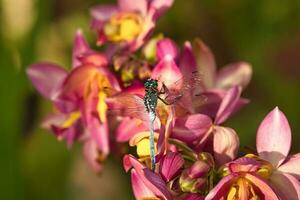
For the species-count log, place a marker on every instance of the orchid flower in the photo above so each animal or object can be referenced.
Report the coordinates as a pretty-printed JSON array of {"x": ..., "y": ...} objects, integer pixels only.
[
  {"x": 273, "y": 143},
  {"x": 242, "y": 182},
  {"x": 78, "y": 98},
  {"x": 129, "y": 23}
]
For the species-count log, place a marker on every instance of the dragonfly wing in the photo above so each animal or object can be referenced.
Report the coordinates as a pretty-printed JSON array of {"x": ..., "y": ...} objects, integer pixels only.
[
  {"x": 186, "y": 87},
  {"x": 127, "y": 105}
]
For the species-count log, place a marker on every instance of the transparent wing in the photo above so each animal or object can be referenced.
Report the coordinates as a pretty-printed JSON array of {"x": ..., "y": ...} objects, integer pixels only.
[
  {"x": 186, "y": 87},
  {"x": 129, "y": 105}
]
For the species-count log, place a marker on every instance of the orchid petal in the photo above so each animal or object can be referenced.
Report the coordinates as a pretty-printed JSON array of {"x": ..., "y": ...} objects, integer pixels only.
[
  {"x": 170, "y": 165},
  {"x": 234, "y": 74},
  {"x": 159, "y": 7},
  {"x": 103, "y": 12},
  {"x": 187, "y": 62},
  {"x": 228, "y": 104},
  {"x": 192, "y": 196},
  {"x": 133, "y": 6},
  {"x": 166, "y": 71},
  {"x": 226, "y": 144},
  {"x": 80, "y": 47},
  {"x": 96, "y": 59},
  {"x": 128, "y": 128},
  {"x": 291, "y": 166},
  {"x": 46, "y": 78},
  {"x": 91, "y": 154},
  {"x": 221, "y": 189},
  {"x": 157, "y": 185},
  {"x": 273, "y": 139},
  {"x": 191, "y": 128},
  {"x": 286, "y": 186},
  {"x": 151, "y": 180},
  {"x": 262, "y": 186},
  {"x": 244, "y": 164},
  {"x": 205, "y": 62},
  {"x": 140, "y": 190},
  {"x": 166, "y": 47}
]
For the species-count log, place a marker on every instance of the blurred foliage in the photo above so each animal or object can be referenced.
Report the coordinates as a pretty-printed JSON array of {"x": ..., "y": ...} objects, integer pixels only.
[{"x": 33, "y": 165}]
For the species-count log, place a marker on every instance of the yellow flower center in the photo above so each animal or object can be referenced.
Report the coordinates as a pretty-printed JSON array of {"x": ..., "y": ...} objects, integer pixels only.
[
  {"x": 143, "y": 148},
  {"x": 123, "y": 27},
  {"x": 242, "y": 189}
]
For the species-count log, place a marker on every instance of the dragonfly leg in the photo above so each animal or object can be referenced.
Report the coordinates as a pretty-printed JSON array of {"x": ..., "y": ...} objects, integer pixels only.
[{"x": 170, "y": 103}]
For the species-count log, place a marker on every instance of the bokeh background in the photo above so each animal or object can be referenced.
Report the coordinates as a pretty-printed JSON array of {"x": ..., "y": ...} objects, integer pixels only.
[{"x": 34, "y": 166}]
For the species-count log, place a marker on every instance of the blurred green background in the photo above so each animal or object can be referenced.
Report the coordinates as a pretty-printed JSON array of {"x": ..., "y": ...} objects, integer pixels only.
[{"x": 33, "y": 165}]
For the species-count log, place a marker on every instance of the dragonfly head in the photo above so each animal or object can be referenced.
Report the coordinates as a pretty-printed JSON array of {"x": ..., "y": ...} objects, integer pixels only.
[{"x": 151, "y": 84}]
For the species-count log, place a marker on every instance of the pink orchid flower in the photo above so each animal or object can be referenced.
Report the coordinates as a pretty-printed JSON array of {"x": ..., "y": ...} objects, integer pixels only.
[
  {"x": 130, "y": 23},
  {"x": 242, "y": 182},
  {"x": 273, "y": 143},
  {"x": 78, "y": 98}
]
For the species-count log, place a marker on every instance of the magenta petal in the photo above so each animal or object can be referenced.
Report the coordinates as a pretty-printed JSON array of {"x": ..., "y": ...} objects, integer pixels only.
[
  {"x": 234, "y": 74},
  {"x": 226, "y": 144},
  {"x": 90, "y": 152},
  {"x": 166, "y": 47},
  {"x": 128, "y": 128},
  {"x": 140, "y": 190},
  {"x": 228, "y": 104},
  {"x": 205, "y": 62},
  {"x": 133, "y": 6},
  {"x": 157, "y": 185},
  {"x": 286, "y": 186},
  {"x": 191, "y": 128},
  {"x": 159, "y": 7},
  {"x": 192, "y": 196},
  {"x": 187, "y": 62},
  {"x": 170, "y": 165},
  {"x": 103, "y": 12},
  {"x": 221, "y": 189},
  {"x": 46, "y": 78},
  {"x": 291, "y": 166},
  {"x": 80, "y": 47},
  {"x": 273, "y": 139},
  {"x": 166, "y": 71},
  {"x": 244, "y": 164}
]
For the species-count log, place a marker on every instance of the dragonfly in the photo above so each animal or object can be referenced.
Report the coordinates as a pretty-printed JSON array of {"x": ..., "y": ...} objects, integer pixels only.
[{"x": 144, "y": 108}]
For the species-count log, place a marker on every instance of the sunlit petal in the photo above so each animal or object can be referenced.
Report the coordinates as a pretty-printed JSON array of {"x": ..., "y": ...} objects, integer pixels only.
[{"x": 273, "y": 139}]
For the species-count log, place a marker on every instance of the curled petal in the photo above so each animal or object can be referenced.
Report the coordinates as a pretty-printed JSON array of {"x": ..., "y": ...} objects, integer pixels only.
[
  {"x": 205, "y": 62},
  {"x": 166, "y": 47},
  {"x": 133, "y": 6},
  {"x": 273, "y": 139},
  {"x": 80, "y": 47},
  {"x": 166, "y": 71},
  {"x": 291, "y": 166},
  {"x": 191, "y": 128},
  {"x": 226, "y": 144},
  {"x": 47, "y": 78},
  {"x": 234, "y": 74},
  {"x": 286, "y": 186},
  {"x": 91, "y": 154},
  {"x": 228, "y": 104},
  {"x": 244, "y": 165},
  {"x": 170, "y": 165}
]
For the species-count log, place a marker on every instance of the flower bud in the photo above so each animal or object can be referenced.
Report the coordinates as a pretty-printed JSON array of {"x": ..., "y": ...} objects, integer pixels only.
[
  {"x": 198, "y": 169},
  {"x": 191, "y": 185}
]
